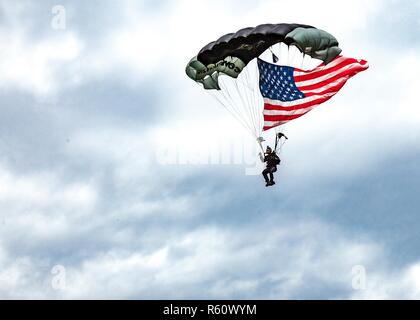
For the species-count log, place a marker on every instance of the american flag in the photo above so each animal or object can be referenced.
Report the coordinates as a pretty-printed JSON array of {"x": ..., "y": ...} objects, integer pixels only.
[{"x": 289, "y": 92}]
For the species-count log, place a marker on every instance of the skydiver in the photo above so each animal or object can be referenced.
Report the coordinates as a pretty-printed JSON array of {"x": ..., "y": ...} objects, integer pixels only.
[{"x": 272, "y": 160}]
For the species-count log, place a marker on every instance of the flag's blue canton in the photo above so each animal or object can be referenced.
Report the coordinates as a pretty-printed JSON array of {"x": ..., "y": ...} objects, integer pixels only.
[{"x": 277, "y": 82}]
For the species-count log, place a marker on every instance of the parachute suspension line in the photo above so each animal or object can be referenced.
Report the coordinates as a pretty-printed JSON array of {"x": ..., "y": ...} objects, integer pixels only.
[
  {"x": 226, "y": 94},
  {"x": 254, "y": 80},
  {"x": 255, "y": 105},
  {"x": 229, "y": 107},
  {"x": 290, "y": 56},
  {"x": 273, "y": 55},
  {"x": 226, "y": 105},
  {"x": 290, "y": 63},
  {"x": 303, "y": 60},
  {"x": 258, "y": 98},
  {"x": 238, "y": 109},
  {"x": 252, "y": 103},
  {"x": 246, "y": 106},
  {"x": 280, "y": 148}
]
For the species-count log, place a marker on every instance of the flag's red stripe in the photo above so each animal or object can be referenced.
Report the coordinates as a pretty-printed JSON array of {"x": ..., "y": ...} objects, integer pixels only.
[
  {"x": 283, "y": 117},
  {"x": 277, "y": 124},
  {"x": 334, "y": 89},
  {"x": 265, "y": 128},
  {"x": 346, "y": 73},
  {"x": 268, "y": 106},
  {"x": 323, "y": 71}
]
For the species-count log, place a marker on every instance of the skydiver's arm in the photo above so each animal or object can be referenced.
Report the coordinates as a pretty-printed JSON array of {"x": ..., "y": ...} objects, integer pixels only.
[{"x": 261, "y": 157}]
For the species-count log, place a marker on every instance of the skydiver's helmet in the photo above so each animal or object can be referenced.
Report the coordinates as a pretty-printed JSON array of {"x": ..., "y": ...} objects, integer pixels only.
[{"x": 268, "y": 150}]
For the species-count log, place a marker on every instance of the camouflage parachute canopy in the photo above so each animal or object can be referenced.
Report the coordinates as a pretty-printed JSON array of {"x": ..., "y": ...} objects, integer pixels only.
[{"x": 232, "y": 52}]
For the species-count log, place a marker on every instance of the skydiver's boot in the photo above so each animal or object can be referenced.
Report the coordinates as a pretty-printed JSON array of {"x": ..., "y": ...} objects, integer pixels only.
[
  {"x": 267, "y": 183},
  {"x": 271, "y": 183}
]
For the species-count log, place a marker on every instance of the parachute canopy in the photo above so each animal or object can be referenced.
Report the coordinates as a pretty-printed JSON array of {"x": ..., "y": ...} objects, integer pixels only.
[{"x": 233, "y": 51}]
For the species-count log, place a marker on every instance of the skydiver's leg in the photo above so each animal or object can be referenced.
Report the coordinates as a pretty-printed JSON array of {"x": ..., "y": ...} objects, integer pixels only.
[
  {"x": 265, "y": 174},
  {"x": 272, "y": 170}
]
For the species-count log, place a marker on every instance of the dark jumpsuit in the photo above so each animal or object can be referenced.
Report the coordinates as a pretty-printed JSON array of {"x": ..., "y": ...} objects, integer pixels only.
[{"x": 271, "y": 160}]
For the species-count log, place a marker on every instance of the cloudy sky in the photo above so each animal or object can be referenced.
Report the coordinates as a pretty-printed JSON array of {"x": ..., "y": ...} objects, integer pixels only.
[{"x": 104, "y": 192}]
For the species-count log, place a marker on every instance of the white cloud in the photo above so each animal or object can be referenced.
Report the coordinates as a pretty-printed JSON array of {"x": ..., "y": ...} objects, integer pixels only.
[{"x": 35, "y": 66}]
